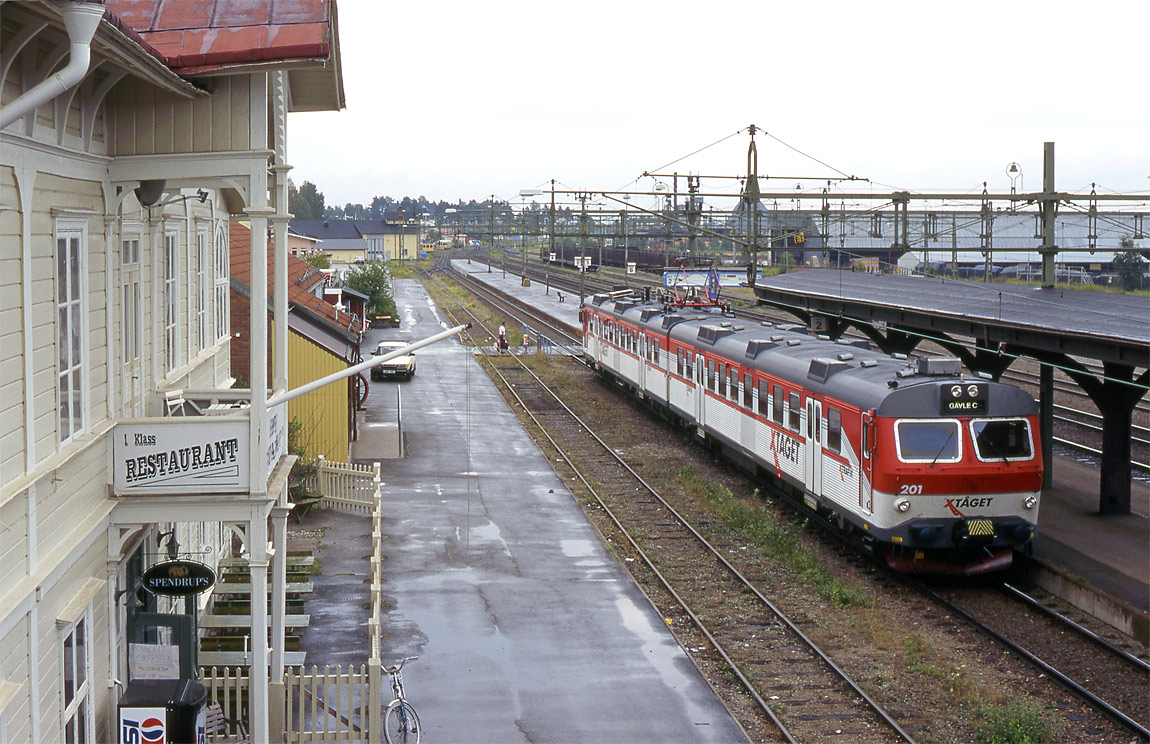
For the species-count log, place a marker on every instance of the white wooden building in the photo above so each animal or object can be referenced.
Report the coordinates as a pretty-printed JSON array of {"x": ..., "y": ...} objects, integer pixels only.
[{"x": 128, "y": 137}]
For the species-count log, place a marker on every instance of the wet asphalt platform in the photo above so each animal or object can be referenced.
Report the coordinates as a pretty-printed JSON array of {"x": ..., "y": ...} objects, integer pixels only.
[{"x": 526, "y": 627}]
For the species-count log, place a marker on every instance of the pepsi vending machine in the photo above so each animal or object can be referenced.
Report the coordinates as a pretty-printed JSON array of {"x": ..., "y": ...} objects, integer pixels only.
[{"x": 163, "y": 711}]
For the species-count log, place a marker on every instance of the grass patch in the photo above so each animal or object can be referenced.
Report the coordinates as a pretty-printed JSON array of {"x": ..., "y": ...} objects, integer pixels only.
[
  {"x": 760, "y": 527},
  {"x": 1016, "y": 722},
  {"x": 919, "y": 655}
]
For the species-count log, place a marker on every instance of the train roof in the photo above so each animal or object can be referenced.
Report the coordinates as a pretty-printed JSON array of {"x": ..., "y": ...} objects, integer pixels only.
[{"x": 850, "y": 371}]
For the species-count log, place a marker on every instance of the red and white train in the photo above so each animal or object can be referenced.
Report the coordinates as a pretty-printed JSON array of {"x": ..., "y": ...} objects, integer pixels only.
[{"x": 938, "y": 471}]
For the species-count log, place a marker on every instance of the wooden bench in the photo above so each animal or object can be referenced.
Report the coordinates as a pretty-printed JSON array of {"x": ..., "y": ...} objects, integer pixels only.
[
  {"x": 292, "y": 560},
  {"x": 244, "y": 658},
  {"x": 245, "y": 587},
  {"x": 245, "y": 621}
]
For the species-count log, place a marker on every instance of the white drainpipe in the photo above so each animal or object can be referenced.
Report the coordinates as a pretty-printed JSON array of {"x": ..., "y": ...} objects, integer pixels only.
[{"x": 80, "y": 20}]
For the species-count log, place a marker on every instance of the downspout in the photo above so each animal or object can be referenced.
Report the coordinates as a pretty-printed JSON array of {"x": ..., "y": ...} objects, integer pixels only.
[{"x": 81, "y": 20}]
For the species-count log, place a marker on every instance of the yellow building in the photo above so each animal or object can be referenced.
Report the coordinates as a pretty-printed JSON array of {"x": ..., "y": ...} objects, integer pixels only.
[{"x": 321, "y": 340}]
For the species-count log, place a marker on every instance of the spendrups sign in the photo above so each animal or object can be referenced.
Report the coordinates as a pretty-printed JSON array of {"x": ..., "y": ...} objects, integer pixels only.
[
  {"x": 201, "y": 455},
  {"x": 178, "y": 578}
]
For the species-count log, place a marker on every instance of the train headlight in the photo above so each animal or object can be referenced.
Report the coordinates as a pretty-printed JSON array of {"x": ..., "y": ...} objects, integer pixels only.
[
  {"x": 902, "y": 505},
  {"x": 1030, "y": 502}
]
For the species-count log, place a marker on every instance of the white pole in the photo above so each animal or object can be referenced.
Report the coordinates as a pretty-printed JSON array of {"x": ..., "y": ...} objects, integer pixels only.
[{"x": 343, "y": 374}]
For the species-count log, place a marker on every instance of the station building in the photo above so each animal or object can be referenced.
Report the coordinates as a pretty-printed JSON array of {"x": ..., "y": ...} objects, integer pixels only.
[{"x": 130, "y": 134}]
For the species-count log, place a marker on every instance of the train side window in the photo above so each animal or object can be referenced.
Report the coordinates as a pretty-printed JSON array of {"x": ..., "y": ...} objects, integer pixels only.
[
  {"x": 655, "y": 349},
  {"x": 834, "y": 430},
  {"x": 679, "y": 363},
  {"x": 794, "y": 423},
  {"x": 722, "y": 381},
  {"x": 711, "y": 374},
  {"x": 764, "y": 398},
  {"x": 748, "y": 391},
  {"x": 734, "y": 385},
  {"x": 778, "y": 406},
  {"x": 932, "y": 440}
]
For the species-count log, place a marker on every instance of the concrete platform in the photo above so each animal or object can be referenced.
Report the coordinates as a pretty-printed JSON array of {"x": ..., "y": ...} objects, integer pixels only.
[
  {"x": 1110, "y": 554},
  {"x": 526, "y": 627}
]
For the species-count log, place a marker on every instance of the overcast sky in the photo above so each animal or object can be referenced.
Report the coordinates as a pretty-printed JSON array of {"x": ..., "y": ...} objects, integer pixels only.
[{"x": 457, "y": 99}]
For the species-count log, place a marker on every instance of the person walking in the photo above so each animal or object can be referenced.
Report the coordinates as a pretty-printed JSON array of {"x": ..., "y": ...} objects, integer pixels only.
[{"x": 502, "y": 338}]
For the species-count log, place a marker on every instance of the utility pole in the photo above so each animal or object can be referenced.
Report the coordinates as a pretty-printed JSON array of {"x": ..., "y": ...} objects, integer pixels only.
[
  {"x": 694, "y": 212},
  {"x": 1048, "y": 209},
  {"x": 491, "y": 233},
  {"x": 550, "y": 242},
  {"x": 623, "y": 238},
  {"x": 751, "y": 200},
  {"x": 582, "y": 197}
]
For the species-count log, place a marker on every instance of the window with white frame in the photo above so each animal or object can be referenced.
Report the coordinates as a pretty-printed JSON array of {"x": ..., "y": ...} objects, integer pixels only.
[
  {"x": 130, "y": 264},
  {"x": 76, "y": 682},
  {"x": 201, "y": 325},
  {"x": 71, "y": 294},
  {"x": 221, "y": 283},
  {"x": 171, "y": 292}
]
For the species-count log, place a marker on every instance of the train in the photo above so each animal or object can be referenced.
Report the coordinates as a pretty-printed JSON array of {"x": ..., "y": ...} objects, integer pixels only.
[{"x": 933, "y": 469}]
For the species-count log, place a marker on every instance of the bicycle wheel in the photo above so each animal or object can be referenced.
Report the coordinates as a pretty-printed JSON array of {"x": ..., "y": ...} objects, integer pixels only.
[{"x": 401, "y": 724}]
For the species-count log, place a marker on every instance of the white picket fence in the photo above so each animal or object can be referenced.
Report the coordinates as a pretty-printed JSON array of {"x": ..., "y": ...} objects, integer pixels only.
[
  {"x": 346, "y": 486},
  {"x": 332, "y": 705}
]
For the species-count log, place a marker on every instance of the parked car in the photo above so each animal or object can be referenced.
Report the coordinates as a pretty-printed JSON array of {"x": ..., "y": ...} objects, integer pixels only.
[{"x": 400, "y": 366}]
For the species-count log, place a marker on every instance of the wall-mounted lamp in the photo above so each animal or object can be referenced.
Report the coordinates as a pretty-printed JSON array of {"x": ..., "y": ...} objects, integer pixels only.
[
  {"x": 149, "y": 192},
  {"x": 173, "y": 543},
  {"x": 134, "y": 602}
]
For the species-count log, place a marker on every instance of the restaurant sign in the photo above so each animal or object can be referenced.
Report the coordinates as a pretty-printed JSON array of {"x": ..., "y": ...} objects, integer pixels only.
[
  {"x": 204, "y": 455},
  {"x": 190, "y": 454}
]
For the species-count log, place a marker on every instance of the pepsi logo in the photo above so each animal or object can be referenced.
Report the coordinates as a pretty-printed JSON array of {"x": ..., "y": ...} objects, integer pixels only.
[{"x": 152, "y": 730}]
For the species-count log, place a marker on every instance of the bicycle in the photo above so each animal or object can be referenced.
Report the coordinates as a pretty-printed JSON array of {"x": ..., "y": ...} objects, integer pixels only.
[{"x": 400, "y": 721}]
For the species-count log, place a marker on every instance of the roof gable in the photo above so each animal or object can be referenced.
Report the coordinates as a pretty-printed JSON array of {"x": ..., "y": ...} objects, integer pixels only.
[{"x": 303, "y": 278}]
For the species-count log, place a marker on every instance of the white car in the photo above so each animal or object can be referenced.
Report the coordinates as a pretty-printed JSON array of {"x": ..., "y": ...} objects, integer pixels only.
[{"x": 400, "y": 366}]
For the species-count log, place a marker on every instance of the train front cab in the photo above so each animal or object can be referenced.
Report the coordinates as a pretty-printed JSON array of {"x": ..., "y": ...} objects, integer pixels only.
[{"x": 956, "y": 494}]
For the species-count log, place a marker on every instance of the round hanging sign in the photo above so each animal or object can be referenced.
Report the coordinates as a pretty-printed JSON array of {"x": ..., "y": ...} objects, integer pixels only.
[{"x": 178, "y": 578}]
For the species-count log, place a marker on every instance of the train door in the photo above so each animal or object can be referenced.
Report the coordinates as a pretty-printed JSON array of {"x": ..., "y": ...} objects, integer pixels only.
[
  {"x": 813, "y": 466},
  {"x": 866, "y": 465},
  {"x": 700, "y": 389},
  {"x": 643, "y": 342}
]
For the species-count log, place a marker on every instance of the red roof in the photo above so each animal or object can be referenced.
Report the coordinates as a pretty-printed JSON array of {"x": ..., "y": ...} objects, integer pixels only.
[
  {"x": 302, "y": 278},
  {"x": 196, "y": 36}
]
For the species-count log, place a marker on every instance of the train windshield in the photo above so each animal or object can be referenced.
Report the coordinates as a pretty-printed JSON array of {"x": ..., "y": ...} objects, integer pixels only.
[
  {"x": 936, "y": 440},
  {"x": 1002, "y": 439}
]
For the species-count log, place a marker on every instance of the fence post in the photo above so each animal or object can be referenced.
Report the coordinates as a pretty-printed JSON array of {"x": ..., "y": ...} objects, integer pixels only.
[
  {"x": 374, "y": 702},
  {"x": 321, "y": 476}
]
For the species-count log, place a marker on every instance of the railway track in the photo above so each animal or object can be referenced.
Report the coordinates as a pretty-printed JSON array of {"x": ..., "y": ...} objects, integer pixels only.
[
  {"x": 1113, "y": 683},
  {"x": 1108, "y": 678},
  {"x": 811, "y": 697}
]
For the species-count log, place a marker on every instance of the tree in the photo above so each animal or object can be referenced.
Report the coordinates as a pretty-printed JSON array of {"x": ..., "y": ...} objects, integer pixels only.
[
  {"x": 1129, "y": 265},
  {"x": 373, "y": 280},
  {"x": 306, "y": 202},
  {"x": 318, "y": 260}
]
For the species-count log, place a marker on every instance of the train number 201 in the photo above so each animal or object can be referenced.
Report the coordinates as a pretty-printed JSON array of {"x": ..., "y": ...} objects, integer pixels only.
[{"x": 910, "y": 489}]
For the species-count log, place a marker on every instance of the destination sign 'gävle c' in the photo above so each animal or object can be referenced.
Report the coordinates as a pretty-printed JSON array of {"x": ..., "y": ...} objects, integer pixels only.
[{"x": 964, "y": 399}]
